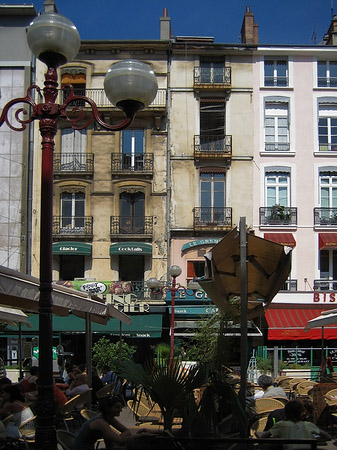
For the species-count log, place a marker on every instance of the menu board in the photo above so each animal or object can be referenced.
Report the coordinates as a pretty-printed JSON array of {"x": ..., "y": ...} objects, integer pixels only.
[{"x": 296, "y": 356}]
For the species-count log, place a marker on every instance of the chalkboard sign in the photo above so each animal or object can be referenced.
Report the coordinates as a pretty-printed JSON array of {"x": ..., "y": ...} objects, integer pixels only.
[
  {"x": 296, "y": 356},
  {"x": 332, "y": 352}
]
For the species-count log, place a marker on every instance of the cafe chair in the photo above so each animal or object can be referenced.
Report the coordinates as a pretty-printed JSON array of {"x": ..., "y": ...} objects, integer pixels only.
[
  {"x": 266, "y": 405},
  {"x": 27, "y": 430},
  {"x": 65, "y": 439}
]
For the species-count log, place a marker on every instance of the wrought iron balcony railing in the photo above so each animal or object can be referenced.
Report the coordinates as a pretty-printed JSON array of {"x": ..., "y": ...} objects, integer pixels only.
[
  {"x": 213, "y": 146},
  {"x": 73, "y": 163},
  {"x": 140, "y": 225},
  {"x": 76, "y": 227},
  {"x": 325, "y": 285},
  {"x": 327, "y": 81},
  {"x": 212, "y": 218},
  {"x": 326, "y": 217},
  {"x": 289, "y": 285},
  {"x": 139, "y": 163},
  {"x": 212, "y": 76},
  {"x": 101, "y": 100},
  {"x": 276, "y": 81},
  {"x": 278, "y": 215},
  {"x": 277, "y": 146}
]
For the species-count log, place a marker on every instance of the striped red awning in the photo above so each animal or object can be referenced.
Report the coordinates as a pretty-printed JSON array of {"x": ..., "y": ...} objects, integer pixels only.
[
  {"x": 289, "y": 323},
  {"x": 281, "y": 238},
  {"x": 327, "y": 240}
]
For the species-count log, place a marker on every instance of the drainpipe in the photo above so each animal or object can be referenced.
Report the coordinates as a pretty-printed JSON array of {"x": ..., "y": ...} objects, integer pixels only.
[{"x": 168, "y": 162}]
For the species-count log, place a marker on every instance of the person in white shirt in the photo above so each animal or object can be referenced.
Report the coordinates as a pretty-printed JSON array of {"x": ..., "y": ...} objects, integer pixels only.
[
  {"x": 78, "y": 386},
  {"x": 268, "y": 388}
]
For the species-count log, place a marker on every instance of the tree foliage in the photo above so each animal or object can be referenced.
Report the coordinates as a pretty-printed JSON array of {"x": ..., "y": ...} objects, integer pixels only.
[
  {"x": 209, "y": 344},
  {"x": 106, "y": 353}
]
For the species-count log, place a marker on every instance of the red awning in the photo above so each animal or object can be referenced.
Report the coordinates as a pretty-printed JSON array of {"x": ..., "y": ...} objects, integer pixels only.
[
  {"x": 327, "y": 240},
  {"x": 281, "y": 238},
  {"x": 288, "y": 324}
]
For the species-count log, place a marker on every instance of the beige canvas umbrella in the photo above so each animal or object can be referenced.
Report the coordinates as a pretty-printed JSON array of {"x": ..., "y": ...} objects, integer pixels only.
[
  {"x": 21, "y": 291},
  {"x": 268, "y": 266},
  {"x": 12, "y": 315}
]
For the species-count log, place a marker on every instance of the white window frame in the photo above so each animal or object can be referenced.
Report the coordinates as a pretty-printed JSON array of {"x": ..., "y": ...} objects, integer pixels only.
[{"x": 277, "y": 185}]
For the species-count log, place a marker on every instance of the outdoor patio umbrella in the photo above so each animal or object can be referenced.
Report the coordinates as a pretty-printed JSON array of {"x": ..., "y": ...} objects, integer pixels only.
[
  {"x": 22, "y": 291},
  {"x": 12, "y": 315},
  {"x": 268, "y": 267},
  {"x": 326, "y": 318},
  {"x": 248, "y": 270}
]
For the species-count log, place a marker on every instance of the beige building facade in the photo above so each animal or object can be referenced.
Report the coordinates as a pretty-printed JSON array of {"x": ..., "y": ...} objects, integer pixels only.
[{"x": 126, "y": 203}]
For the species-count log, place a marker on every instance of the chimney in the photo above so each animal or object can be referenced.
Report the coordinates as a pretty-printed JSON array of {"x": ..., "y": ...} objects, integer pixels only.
[
  {"x": 165, "y": 27},
  {"x": 331, "y": 37},
  {"x": 249, "y": 29},
  {"x": 49, "y": 6}
]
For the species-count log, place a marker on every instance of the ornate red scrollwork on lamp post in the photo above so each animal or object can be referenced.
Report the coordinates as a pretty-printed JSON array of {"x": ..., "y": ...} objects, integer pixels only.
[{"x": 130, "y": 85}]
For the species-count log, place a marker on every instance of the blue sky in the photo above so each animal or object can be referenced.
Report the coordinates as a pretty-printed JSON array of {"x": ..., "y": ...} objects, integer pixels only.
[{"x": 280, "y": 22}]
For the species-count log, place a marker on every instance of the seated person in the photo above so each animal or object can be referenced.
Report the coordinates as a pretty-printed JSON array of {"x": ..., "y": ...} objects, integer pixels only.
[
  {"x": 268, "y": 388},
  {"x": 99, "y": 427},
  {"x": 294, "y": 427},
  {"x": 78, "y": 386},
  {"x": 29, "y": 383},
  {"x": 14, "y": 403}
]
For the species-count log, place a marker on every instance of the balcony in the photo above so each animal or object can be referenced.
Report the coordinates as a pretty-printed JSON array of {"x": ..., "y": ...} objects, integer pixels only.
[
  {"x": 212, "y": 147},
  {"x": 277, "y": 147},
  {"x": 325, "y": 285},
  {"x": 74, "y": 164},
  {"x": 131, "y": 226},
  {"x": 276, "y": 81},
  {"x": 279, "y": 216},
  {"x": 139, "y": 164},
  {"x": 73, "y": 227},
  {"x": 212, "y": 219},
  {"x": 290, "y": 286},
  {"x": 212, "y": 78},
  {"x": 325, "y": 217},
  {"x": 101, "y": 100}
]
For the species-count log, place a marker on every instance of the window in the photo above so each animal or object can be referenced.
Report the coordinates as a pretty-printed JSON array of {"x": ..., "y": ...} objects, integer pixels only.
[
  {"x": 275, "y": 72},
  {"x": 76, "y": 76},
  {"x": 212, "y": 71},
  {"x": 276, "y": 124},
  {"x": 133, "y": 149},
  {"x": 195, "y": 269},
  {"x": 277, "y": 189},
  {"x": 212, "y": 193},
  {"x": 327, "y": 126},
  {"x": 132, "y": 212},
  {"x": 71, "y": 267},
  {"x": 72, "y": 211},
  {"x": 327, "y": 73},
  {"x": 328, "y": 189},
  {"x": 212, "y": 125},
  {"x": 328, "y": 266},
  {"x": 73, "y": 149}
]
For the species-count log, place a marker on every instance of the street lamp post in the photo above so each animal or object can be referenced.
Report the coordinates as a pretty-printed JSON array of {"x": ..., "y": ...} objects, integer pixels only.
[
  {"x": 130, "y": 85},
  {"x": 156, "y": 286}
]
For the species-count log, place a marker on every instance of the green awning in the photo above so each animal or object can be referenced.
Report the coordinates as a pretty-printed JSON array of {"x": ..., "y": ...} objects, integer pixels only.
[
  {"x": 71, "y": 248},
  {"x": 142, "y": 325},
  {"x": 131, "y": 248}
]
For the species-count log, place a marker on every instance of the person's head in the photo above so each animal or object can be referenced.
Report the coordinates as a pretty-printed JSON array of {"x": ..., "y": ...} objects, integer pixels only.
[
  {"x": 81, "y": 378},
  {"x": 110, "y": 407},
  {"x": 34, "y": 370},
  {"x": 293, "y": 410},
  {"x": 82, "y": 367},
  {"x": 106, "y": 369},
  {"x": 265, "y": 381},
  {"x": 13, "y": 393}
]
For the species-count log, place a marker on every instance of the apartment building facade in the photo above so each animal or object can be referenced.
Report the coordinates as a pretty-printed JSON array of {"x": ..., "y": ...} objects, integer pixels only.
[
  {"x": 295, "y": 170},
  {"x": 129, "y": 204}
]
